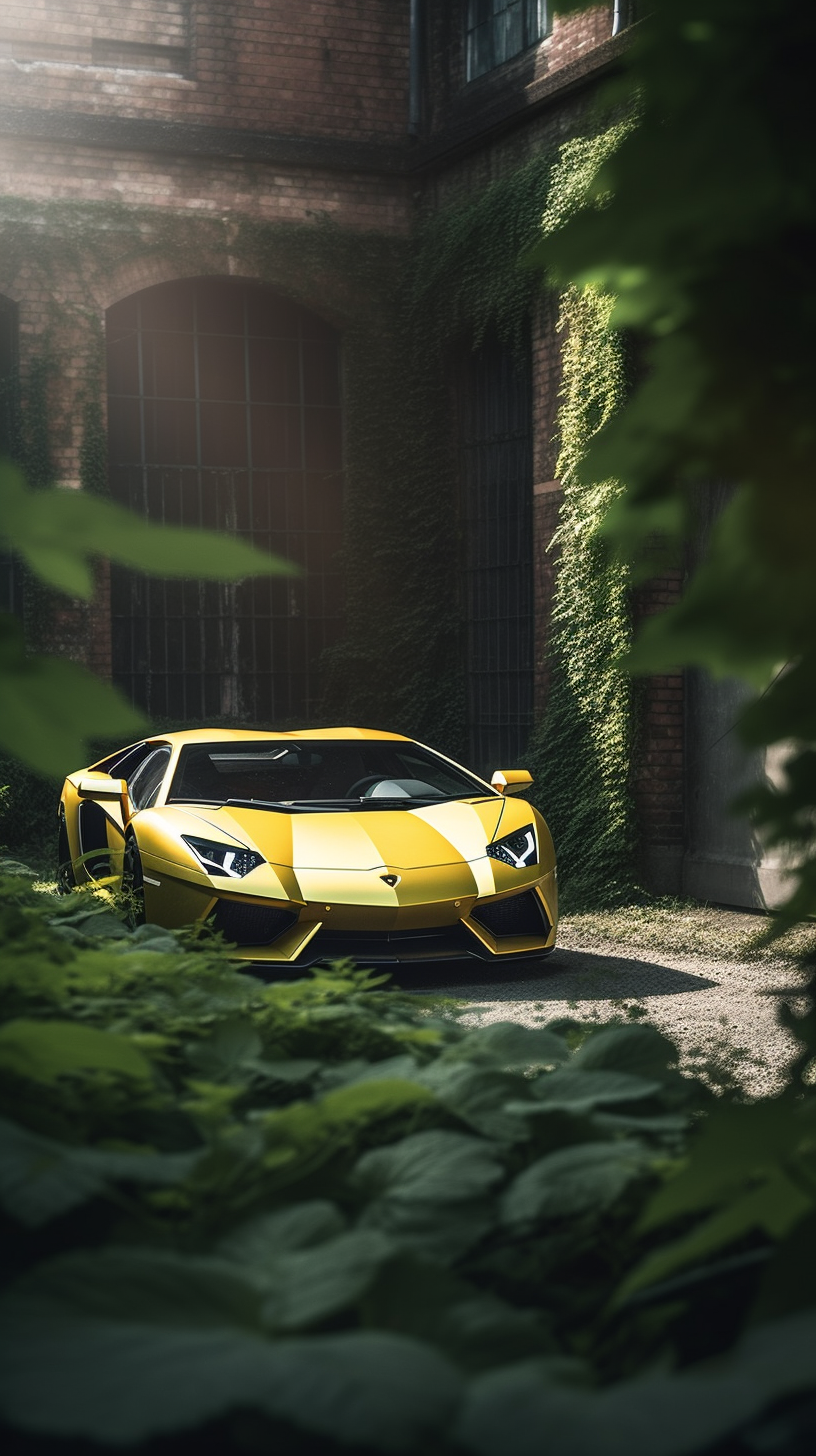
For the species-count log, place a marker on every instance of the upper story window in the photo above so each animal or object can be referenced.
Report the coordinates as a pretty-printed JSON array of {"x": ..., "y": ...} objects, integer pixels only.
[{"x": 497, "y": 30}]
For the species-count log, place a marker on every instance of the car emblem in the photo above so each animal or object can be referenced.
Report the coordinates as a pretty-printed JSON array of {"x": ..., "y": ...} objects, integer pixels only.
[{"x": 391, "y": 880}]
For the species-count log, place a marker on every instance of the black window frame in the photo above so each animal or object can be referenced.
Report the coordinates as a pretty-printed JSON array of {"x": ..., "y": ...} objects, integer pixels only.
[
  {"x": 484, "y": 50},
  {"x": 162, "y": 753}
]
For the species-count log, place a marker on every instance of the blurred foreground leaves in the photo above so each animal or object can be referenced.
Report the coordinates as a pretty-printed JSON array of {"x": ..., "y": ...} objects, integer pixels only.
[
  {"x": 333, "y": 1211},
  {"x": 704, "y": 237},
  {"x": 49, "y": 707}
]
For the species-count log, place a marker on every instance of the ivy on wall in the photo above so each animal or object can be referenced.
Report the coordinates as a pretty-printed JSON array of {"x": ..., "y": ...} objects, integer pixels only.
[
  {"x": 471, "y": 277},
  {"x": 93, "y": 449},
  {"x": 468, "y": 276},
  {"x": 581, "y": 752}
]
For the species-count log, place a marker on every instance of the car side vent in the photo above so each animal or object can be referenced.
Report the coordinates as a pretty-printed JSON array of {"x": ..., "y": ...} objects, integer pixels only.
[
  {"x": 251, "y": 924},
  {"x": 520, "y": 915}
]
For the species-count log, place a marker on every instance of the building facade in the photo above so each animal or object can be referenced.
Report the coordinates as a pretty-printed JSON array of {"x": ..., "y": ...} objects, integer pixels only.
[{"x": 209, "y": 212}]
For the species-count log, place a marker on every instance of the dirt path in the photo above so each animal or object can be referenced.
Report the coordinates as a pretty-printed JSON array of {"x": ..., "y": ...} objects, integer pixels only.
[{"x": 700, "y": 982}]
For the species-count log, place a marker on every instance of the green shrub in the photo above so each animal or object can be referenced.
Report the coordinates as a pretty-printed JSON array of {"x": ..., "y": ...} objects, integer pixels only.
[
  {"x": 248, "y": 1216},
  {"x": 28, "y": 812}
]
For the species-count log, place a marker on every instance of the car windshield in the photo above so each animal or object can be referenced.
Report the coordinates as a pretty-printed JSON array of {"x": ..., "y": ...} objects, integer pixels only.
[{"x": 335, "y": 773}]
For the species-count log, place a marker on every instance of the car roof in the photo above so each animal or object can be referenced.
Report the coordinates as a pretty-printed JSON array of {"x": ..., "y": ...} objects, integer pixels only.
[{"x": 232, "y": 735}]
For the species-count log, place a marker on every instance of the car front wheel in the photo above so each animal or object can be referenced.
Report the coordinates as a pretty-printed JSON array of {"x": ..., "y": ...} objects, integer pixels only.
[{"x": 133, "y": 882}]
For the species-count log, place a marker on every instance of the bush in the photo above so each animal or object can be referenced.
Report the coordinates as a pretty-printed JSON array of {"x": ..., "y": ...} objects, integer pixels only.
[
  {"x": 248, "y": 1216},
  {"x": 28, "y": 812}
]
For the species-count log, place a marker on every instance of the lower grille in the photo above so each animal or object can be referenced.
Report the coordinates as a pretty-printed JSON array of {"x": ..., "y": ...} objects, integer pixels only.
[
  {"x": 251, "y": 924},
  {"x": 520, "y": 915},
  {"x": 392, "y": 946}
]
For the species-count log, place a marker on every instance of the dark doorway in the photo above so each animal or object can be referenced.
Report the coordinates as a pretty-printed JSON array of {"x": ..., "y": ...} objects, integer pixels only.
[
  {"x": 224, "y": 411},
  {"x": 495, "y": 446}
]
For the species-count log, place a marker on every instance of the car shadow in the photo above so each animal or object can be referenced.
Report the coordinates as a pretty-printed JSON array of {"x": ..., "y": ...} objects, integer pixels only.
[{"x": 566, "y": 975}]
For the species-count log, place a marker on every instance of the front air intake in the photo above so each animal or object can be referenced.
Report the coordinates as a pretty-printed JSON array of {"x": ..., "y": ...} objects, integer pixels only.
[
  {"x": 251, "y": 924},
  {"x": 519, "y": 915}
]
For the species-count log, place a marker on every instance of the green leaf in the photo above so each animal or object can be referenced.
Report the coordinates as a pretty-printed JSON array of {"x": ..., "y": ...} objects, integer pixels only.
[
  {"x": 735, "y": 1146},
  {"x": 478, "y": 1095},
  {"x": 436, "y": 1166},
  {"x": 300, "y": 1226},
  {"x": 41, "y": 1178},
  {"x": 774, "y": 1208},
  {"x": 429, "y": 1191},
  {"x": 120, "y": 1345},
  {"x": 506, "y": 1045},
  {"x": 305, "y": 1263},
  {"x": 307, "y": 1286},
  {"x": 348, "y": 1074},
  {"x": 515, "y": 1411},
  {"x": 46, "y": 1050},
  {"x": 639, "y": 1051},
  {"x": 577, "y": 1090},
  {"x": 234, "y": 1043},
  {"x": 584, "y": 1179},
  {"x": 50, "y": 706},
  {"x": 56, "y": 531},
  {"x": 789, "y": 1283}
]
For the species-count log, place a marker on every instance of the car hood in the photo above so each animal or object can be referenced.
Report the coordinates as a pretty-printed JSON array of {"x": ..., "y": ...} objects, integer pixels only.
[{"x": 398, "y": 839}]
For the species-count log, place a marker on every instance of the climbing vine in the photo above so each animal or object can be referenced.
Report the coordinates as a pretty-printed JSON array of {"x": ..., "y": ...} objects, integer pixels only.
[
  {"x": 581, "y": 752},
  {"x": 93, "y": 449},
  {"x": 469, "y": 275}
]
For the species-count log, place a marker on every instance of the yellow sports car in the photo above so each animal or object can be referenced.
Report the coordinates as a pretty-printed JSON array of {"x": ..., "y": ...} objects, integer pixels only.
[{"x": 302, "y": 847}]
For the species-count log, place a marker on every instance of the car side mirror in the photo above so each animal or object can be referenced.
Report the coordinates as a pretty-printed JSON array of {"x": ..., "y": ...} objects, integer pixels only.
[
  {"x": 511, "y": 780},
  {"x": 102, "y": 786}
]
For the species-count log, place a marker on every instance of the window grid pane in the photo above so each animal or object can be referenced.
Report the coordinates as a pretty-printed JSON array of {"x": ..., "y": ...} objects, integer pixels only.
[
  {"x": 225, "y": 413},
  {"x": 497, "y": 30},
  {"x": 495, "y": 445}
]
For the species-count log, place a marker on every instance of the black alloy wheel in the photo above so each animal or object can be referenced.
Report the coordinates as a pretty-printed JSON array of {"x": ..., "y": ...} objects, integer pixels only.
[{"x": 133, "y": 883}]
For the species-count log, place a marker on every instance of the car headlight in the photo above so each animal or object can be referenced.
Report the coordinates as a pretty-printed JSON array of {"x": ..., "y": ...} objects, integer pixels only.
[
  {"x": 223, "y": 859},
  {"x": 518, "y": 850}
]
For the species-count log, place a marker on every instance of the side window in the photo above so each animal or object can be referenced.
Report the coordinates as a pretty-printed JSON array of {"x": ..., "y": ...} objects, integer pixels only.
[
  {"x": 123, "y": 764},
  {"x": 147, "y": 780}
]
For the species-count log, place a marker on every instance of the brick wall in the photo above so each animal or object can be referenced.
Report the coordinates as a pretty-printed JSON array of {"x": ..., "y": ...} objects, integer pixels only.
[
  {"x": 327, "y": 68},
  {"x": 51, "y": 171}
]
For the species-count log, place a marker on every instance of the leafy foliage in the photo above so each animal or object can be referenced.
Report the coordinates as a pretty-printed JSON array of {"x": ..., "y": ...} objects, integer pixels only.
[
  {"x": 54, "y": 532},
  {"x": 468, "y": 275},
  {"x": 335, "y": 1208},
  {"x": 581, "y": 751},
  {"x": 709, "y": 217}
]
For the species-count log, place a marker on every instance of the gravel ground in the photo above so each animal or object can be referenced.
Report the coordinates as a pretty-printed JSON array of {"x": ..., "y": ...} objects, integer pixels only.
[{"x": 694, "y": 972}]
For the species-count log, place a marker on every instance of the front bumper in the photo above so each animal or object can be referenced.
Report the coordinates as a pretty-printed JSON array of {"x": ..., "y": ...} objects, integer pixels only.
[
  {"x": 429, "y": 917},
  {"x": 518, "y": 926}
]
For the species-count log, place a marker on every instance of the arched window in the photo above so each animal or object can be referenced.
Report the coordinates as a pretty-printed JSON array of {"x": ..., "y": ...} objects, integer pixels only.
[{"x": 224, "y": 411}]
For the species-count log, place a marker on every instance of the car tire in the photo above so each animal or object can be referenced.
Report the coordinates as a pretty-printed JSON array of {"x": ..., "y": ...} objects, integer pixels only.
[
  {"x": 133, "y": 883},
  {"x": 66, "y": 879}
]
